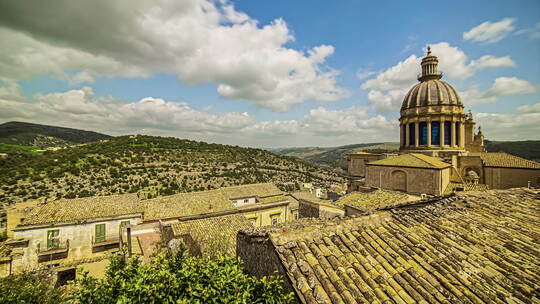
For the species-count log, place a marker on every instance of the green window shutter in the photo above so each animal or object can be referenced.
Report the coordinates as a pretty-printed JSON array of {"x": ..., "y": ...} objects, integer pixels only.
[
  {"x": 53, "y": 240},
  {"x": 100, "y": 233}
]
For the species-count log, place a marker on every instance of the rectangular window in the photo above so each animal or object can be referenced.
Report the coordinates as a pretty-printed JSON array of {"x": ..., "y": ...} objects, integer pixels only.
[
  {"x": 411, "y": 134},
  {"x": 295, "y": 216},
  {"x": 447, "y": 133},
  {"x": 423, "y": 133},
  {"x": 123, "y": 223},
  {"x": 246, "y": 201},
  {"x": 53, "y": 239},
  {"x": 100, "y": 233},
  {"x": 435, "y": 133},
  {"x": 275, "y": 220}
]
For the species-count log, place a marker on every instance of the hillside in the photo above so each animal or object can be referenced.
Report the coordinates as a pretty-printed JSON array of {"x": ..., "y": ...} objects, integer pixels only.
[
  {"x": 29, "y": 134},
  {"x": 152, "y": 165},
  {"x": 334, "y": 157}
]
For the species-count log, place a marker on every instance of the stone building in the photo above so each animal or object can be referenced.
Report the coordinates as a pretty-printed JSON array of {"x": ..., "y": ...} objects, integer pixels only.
[
  {"x": 479, "y": 247},
  {"x": 69, "y": 234},
  {"x": 433, "y": 123}
]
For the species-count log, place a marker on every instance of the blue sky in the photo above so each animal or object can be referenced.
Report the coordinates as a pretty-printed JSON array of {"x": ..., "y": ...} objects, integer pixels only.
[{"x": 265, "y": 73}]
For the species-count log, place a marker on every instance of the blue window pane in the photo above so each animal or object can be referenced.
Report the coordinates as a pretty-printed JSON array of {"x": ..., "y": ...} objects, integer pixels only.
[
  {"x": 435, "y": 133},
  {"x": 457, "y": 133},
  {"x": 423, "y": 133},
  {"x": 411, "y": 134},
  {"x": 447, "y": 133}
]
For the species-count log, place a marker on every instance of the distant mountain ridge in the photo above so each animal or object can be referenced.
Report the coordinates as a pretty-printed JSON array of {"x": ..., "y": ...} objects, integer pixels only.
[
  {"x": 31, "y": 134},
  {"x": 334, "y": 157}
]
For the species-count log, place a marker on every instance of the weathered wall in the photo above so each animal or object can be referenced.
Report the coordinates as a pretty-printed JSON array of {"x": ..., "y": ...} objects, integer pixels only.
[
  {"x": 4, "y": 268},
  {"x": 306, "y": 209},
  {"x": 357, "y": 162},
  {"x": 504, "y": 178},
  {"x": 260, "y": 259},
  {"x": 330, "y": 212},
  {"x": 418, "y": 180},
  {"x": 244, "y": 201},
  {"x": 80, "y": 242},
  {"x": 474, "y": 163}
]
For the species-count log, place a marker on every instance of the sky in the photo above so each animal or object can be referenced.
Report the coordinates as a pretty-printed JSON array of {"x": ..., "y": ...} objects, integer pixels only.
[{"x": 267, "y": 74}]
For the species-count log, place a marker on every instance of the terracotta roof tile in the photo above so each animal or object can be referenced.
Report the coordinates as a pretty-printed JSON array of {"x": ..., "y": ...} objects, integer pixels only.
[
  {"x": 501, "y": 159},
  {"x": 415, "y": 160},
  {"x": 79, "y": 209},
  {"x": 214, "y": 233},
  {"x": 376, "y": 199},
  {"x": 479, "y": 248}
]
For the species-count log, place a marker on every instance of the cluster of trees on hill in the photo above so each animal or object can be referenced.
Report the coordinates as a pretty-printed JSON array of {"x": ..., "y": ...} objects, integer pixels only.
[
  {"x": 168, "y": 278},
  {"x": 159, "y": 165}
]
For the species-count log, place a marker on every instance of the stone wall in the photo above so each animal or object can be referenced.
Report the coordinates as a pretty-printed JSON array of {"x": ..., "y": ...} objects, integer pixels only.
[
  {"x": 504, "y": 178},
  {"x": 417, "y": 180},
  {"x": 306, "y": 209},
  {"x": 259, "y": 257},
  {"x": 357, "y": 162}
]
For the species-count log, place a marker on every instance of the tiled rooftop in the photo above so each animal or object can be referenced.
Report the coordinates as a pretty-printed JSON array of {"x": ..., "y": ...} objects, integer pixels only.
[
  {"x": 415, "y": 160},
  {"x": 261, "y": 190},
  {"x": 479, "y": 248},
  {"x": 501, "y": 159},
  {"x": 177, "y": 205},
  {"x": 376, "y": 199},
  {"x": 214, "y": 233},
  {"x": 309, "y": 197},
  {"x": 184, "y": 204},
  {"x": 87, "y": 208},
  {"x": 466, "y": 187}
]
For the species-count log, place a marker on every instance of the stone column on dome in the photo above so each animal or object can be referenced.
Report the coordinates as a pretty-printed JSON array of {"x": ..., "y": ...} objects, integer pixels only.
[
  {"x": 416, "y": 139},
  {"x": 441, "y": 132},
  {"x": 453, "y": 134},
  {"x": 461, "y": 135},
  {"x": 407, "y": 134},
  {"x": 429, "y": 133}
]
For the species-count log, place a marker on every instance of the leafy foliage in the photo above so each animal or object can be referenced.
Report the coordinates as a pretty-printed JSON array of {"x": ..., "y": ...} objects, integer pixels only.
[
  {"x": 174, "y": 278},
  {"x": 28, "y": 288}
]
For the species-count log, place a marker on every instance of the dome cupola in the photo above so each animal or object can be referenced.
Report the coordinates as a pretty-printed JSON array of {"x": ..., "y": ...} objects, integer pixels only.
[{"x": 432, "y": 115}]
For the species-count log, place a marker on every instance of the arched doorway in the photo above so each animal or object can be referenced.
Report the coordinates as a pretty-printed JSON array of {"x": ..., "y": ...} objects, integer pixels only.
[{"x": 399, "y": 180}]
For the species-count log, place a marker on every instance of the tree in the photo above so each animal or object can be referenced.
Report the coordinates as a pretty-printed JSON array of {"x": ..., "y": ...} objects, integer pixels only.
[
  {"x": 175, "y": 278},
  {"x": 28, "y": 288}
]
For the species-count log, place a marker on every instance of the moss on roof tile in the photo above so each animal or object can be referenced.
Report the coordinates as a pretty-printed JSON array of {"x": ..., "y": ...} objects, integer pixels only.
[
  {"x": 214, "y": 233},
  {"x": 505, "y": 160},
  {"x": 478, "y": 248},
  {"x": 415, "y": 160},
  {"x": 376, "y": 199}
]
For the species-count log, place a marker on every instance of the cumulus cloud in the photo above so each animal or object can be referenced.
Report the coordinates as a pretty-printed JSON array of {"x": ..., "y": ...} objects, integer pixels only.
[
  {"x": 387, "y": 89},
  {"x": 81, "y": 108},
  {"x": 509, "y": 126},
  {"x": 534, "y": 108},
  {"x": 200, "y": 41},
  {"x": 502, "y": 86},
  {"x": 490, "y": 32}
]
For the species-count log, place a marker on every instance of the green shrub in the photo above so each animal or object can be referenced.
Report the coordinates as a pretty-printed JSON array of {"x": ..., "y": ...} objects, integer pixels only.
[{"x": 28, "y": 288}]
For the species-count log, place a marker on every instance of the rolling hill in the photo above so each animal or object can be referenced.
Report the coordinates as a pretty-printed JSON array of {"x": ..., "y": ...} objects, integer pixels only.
[
  {"x": 149, "y": 165},
  {"x": 334, "y": 157},
  {"x": 29, "y": 134}
]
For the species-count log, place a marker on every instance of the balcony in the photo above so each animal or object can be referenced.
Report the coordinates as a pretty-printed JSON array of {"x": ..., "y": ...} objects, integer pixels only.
[
  {"x": 104, "y": 245},
  {"x": 55, "y": 253}
]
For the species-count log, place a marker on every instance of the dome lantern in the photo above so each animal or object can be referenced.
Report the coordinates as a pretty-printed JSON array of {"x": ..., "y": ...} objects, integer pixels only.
[{"x": 430, "y": 67}]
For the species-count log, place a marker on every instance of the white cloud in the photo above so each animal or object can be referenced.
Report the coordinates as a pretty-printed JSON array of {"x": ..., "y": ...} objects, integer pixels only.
[
  {"x": 534, "y": 108},
  {"x": 364, "y": 73},
  {"x": 388, "y": 88},
  {"x": 532, "y": 32},
  {"x": 502, "y": 86},
  {"x": 490, "y": 32},
  {"x": 150, "y": 115},
  {"x": 200, "y": 41},
  {"x": 520, "y": 126}
]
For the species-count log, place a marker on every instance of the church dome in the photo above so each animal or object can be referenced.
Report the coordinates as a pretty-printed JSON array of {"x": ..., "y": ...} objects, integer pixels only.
[{"x": 432, "y": 92}]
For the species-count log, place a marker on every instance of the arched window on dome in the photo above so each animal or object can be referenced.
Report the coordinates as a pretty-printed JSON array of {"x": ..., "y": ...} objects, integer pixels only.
[
  {"x": 435, "y": 133},
  {"x": 447, "y": 133},
  {"x": 423, "y": 133},
  {"x": 411, "y": 134}
]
